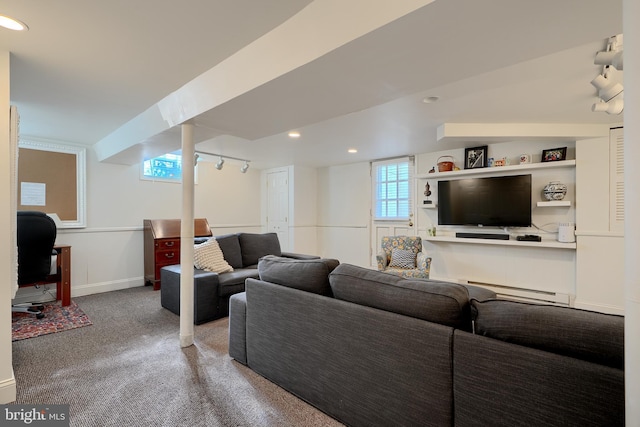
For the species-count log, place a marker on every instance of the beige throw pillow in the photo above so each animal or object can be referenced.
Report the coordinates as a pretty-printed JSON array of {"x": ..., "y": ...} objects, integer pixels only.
[{"x": 208, "y": 256}]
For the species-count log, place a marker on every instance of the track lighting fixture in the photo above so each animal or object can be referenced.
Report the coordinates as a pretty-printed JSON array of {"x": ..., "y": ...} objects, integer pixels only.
[
  {"x": 220, "y": 163},
  {"x": 609, "y": 81}
]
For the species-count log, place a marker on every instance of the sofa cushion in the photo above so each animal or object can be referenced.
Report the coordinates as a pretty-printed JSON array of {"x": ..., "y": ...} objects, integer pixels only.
[
  {"x": 582, "y": 334},
  {"x": 230, "y": 245},
  {"x": 232, "y": 283},
  {"x": 208, "y": 256},
  {"x": 307, "y": 275},
  {"x": 434, "y": 301},
  {"x": 255, "y": 246}
]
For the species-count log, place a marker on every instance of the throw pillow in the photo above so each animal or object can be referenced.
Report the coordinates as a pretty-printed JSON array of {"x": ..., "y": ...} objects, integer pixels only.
[
  {"x": 402, "y": 259},
  {"x": 208, "y": 256}
]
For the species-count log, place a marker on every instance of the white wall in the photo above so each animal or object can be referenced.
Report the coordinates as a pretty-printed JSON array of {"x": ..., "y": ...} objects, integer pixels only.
[
  {"x": 108, "y": 253},
  {"x": 303, "y": 232},
  {"x": 7, "y": 271},
  {"x": 344, "y": 203}
]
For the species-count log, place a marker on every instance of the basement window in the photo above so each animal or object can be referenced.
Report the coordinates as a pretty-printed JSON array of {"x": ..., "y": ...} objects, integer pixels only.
[{"x": 167, "y": 167}]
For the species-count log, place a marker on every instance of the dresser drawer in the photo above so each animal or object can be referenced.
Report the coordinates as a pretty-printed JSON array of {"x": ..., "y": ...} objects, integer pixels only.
[
  {"x": 162, "y": 244},
  {"x": 168, "y": 257}
]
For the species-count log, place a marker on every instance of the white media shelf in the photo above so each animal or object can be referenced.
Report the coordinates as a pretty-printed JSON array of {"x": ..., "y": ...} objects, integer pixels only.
[
  {"x": 543, "y": 244},
  {"x": 497, "y": 170},
  {"x": 553, "y": 203}
]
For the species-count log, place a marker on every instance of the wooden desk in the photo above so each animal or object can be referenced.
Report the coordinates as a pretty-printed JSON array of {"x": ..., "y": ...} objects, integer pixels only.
[
  {"x": 63, "y": 274},
  {"x": 162, "y": 245}
]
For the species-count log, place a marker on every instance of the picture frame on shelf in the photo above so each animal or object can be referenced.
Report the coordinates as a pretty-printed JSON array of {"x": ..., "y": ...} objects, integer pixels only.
[
  {"x": 554, "y": 154},
  {"x": 475, "y": 157}
]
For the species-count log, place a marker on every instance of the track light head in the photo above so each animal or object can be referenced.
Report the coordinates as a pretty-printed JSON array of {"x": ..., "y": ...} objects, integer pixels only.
[
  {"x": 220, "y": 163},
  {"x": 607, "y": 89},
  {"x": 244, "y": 167},
  {"x": 614, "y": 59},
  {"x": 614, "y": 106}
]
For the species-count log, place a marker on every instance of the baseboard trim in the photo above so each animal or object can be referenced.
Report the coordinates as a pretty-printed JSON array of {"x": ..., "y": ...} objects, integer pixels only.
[
  {"x": 8, "y": 390},
  {"x": 31, "y": 294},
  {"x": 100, "y": 287}
]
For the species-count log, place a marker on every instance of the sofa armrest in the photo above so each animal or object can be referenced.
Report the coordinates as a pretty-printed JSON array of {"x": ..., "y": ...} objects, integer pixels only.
[
  {"x": 423, "y": 262},
  {"x": 238, "y": 327},
  {"x": 299, "y": 256}
]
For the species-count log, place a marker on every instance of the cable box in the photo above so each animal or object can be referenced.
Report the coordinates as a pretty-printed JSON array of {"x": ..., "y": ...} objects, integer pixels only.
[{"x": 483, "y": 236}]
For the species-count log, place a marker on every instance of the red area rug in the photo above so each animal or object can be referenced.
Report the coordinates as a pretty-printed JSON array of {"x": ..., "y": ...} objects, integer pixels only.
[{"x": 56, "y": 319}]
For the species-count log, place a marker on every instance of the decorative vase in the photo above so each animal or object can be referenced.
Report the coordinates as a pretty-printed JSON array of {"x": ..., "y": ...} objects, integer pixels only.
[{"x": 555, "y": 190}]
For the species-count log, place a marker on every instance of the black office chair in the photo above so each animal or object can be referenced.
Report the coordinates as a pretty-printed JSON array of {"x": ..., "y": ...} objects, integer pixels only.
[{"x": 36, "y": 237}]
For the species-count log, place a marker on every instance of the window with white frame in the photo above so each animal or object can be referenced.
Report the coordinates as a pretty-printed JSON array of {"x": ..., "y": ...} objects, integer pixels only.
[{"x": 392, "y": 188}]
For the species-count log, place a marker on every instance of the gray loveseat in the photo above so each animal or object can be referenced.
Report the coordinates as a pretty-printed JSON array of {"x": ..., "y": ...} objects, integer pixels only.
[
  {"x": 212, "y": 290},
  {"x": 373, "y": 349}
]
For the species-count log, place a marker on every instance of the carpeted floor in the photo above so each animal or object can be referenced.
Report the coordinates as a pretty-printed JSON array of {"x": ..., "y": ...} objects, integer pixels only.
[
  {"x": 128, "y": 370},
  {"x": 56, "y": 319}
]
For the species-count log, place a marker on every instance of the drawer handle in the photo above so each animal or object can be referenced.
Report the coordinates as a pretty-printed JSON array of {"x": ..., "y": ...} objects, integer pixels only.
[
  {"x": 169, "y": 244},
  {"x": 171, "y": 255}
]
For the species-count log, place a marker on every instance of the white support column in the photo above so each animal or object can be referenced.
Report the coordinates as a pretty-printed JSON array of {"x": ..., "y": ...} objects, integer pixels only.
[
  {"x": 631, "y": 11},
  {"x": 186, "y": 236}
]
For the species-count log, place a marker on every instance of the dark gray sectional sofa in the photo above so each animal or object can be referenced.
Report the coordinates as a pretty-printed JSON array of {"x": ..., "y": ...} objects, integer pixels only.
[
  {"x": 372, "y": 349},
  {"x": 212, "y": 290}
]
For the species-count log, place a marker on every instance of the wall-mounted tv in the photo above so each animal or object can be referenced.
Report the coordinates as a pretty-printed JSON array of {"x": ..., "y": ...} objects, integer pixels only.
[{"x": 503, "y": 201}]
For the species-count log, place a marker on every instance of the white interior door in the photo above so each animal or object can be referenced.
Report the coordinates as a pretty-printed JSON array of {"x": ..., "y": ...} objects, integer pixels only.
[
  {"x": 392, "y": 176},
  {"x": 278, "y": 206}
]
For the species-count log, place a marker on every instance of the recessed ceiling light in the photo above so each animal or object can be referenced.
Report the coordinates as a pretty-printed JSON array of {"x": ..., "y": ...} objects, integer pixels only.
[
  {"x": 430, "y": 99},
  {"x": 12, "y": 24},
  {"x": 352, "y": 150},
  {"x": 294, "y": 134}
]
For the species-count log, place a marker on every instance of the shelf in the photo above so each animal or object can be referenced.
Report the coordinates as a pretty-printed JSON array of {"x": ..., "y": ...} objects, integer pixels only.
[
  {"x": 553, "y": 203},
  {"x": 430, "y": 206},
  {"x": 544, "y": 244},
  {"x": 498, "y": 169}
]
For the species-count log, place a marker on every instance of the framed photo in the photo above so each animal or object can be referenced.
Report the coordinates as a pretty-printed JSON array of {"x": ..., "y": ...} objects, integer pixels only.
[
  {"x": 475, "y": 157},
  {"x": 554, "y": 154}
]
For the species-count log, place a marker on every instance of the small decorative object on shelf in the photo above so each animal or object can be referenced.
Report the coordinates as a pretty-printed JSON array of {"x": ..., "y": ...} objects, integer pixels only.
[
  {"x": 525, "y": 159},
  {"x": 427, "y": 193},
  {"x": 554, "y": 154},
  {"x": 445, "y": 164},
  {"x": 555, "y": 190},
  {"x": 432, "y": 231},
  {"x": 432, "y": 170},
  {"x": 475, "y": 157}
]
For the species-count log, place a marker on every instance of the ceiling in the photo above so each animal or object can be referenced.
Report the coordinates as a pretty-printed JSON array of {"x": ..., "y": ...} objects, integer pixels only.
[{"x": 86, "y": 69}]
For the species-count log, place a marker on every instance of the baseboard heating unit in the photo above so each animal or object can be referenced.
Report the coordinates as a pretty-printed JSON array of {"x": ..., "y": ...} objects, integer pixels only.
[
  {"x": 523, "y": 294},
  {"x": 483, "y": 236}
]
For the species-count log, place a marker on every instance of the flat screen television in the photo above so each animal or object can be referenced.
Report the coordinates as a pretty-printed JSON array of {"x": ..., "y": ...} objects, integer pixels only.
[{"x": 503, "y": 201}]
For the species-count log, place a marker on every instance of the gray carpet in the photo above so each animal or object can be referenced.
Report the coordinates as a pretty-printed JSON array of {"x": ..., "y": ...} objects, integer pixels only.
[{"x": 128, "y": 369}]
